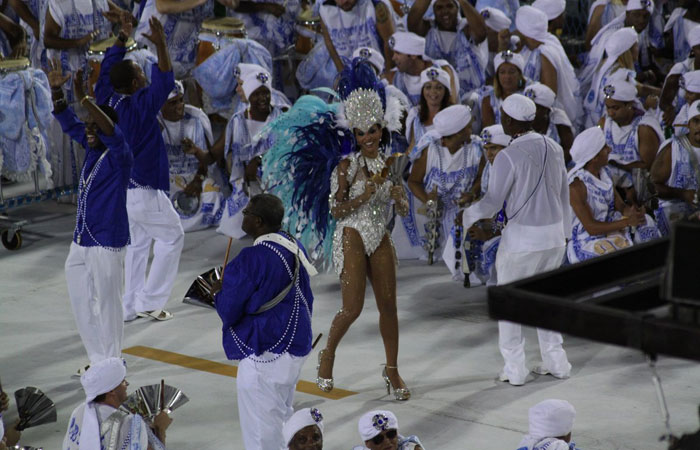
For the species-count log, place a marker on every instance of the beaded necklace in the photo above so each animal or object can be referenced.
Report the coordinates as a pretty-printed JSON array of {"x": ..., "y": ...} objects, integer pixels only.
[{"x": 83, "y": 192}]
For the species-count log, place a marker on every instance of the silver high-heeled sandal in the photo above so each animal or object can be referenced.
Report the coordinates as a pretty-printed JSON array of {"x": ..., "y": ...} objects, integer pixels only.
[
  {"x": 400, "y": 394},
  {"x": 324, "y": 384}
]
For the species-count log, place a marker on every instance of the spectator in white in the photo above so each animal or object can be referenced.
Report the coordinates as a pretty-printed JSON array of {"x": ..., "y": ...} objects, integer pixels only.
[
  {"x": 99, "y": 423},
  {"x": 409, "y": 57},
  {"x": 409, "y": 231},
  {"x": 496, "y": 21},
  {"x": 555, "y": 11},
  {"x": 448, "y": 170},
  {"x": 304, "y": 430},
  {"x": 380, "y": 430},
  {"x": 550, "y": 120},
  {"x": 682, "y": 20},
  {"x": 672, "y": 95},
  {"x": 676, "y": 174},
  {"x": 551, "y": 423},
  {"x": 462, "y": 42},
  {"x": 345, "y": 26},
  {"x": 545, "y": 60},
  {"x": 528, "y": 175},
  {"x": 633, "y": 136},
  {"x": 184, "y": 128},
  {"x": 602, "y": 221},
  {"x": 508, "y": 80},
  {"x": 691, "y": 88},
  {"x": 637, "y": 15}
]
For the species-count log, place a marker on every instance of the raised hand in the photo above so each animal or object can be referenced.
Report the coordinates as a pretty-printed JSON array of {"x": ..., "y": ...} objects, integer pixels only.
[
  {"x": 55, "y": 74},
  {"x": 127, "y": 23},
  {"x": 157, "y": 35}
]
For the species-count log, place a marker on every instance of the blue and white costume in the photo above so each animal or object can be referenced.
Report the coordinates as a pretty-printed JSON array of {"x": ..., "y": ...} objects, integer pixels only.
[
  {"x": 508, "y": 7},
  {"x": 94, "y": 267},
  {"x": 453, "y": 175},
  {"x": 195, "y": 126},
  {"x": 557, "y": 117},
  {"x": 683, "y": 176},
  {"x": 241, "y": 146},
  {"x": 468, "y": 58},
  {"x": 348, "y": 30},
  {"x": 271, "y": 344},
  {"x": 600, "y": 196},
  {"x": 610, "y": 12},
  {"x": 548, "y": 420},
  {"x": 151, "y": 214},
  {"x": 37, "y": 52},
  {"x": 411, "y": 85},
  {"x": 594, "y": 103},
  {"x": 24, "y": 124},
  {"x": 181, "y": 32},
  {"x": 220, "y": 92}
]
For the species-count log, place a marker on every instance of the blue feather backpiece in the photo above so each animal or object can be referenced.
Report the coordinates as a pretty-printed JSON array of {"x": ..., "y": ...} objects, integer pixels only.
[{"x": 306, "y": 147}]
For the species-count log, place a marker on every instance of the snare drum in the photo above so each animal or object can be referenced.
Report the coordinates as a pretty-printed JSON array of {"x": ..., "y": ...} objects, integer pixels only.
[
  {"x": 217, "y": 33},
  {"x": 13, "y": 65},
  {"x": 308, "y": 27},
  {"x": 97, "y": 52}
]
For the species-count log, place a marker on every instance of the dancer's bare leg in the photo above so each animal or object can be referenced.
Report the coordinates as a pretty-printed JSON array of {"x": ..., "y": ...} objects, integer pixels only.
[
  {"x": 382, "y": 275},
  {"x": 353, "y": 280}
]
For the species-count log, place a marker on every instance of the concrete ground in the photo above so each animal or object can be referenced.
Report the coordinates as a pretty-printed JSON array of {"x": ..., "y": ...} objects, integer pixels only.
[{"x": 449, "y": 358}]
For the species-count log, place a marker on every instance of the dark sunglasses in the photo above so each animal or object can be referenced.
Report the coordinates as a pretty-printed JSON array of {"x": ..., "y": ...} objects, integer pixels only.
[{"x": 378, "y": 439}]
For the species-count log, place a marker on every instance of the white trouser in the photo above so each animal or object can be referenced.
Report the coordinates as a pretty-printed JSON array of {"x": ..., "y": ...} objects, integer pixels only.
[
  {"x": 151, "y": 218},
  {"x": 95, "y": 276},
  {"x": 512, "y": 266},
  {"x": 265, "y": 395}
]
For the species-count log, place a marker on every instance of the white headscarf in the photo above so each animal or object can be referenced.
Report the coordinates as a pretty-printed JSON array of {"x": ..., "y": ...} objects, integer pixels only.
[
  {"x": 691, "y": 81},
  {"x": 99, "y": 379},
  {"x": 452, "y": 120},
  {"x": 494, "y": 134},
  {"x": 585, "y": 147},
  {"x": 374, "y": 422},
  {"x": 552, "y": 8},
  {"x": 694, "y": 36},
  {"x": 633, "y": 5},
  {"x": 299, "y": 420},
  {"x": 407, "y": 43},
  {"x": 617, "y": 44},
  {"x": 621, "y": 90},
  {"x": 370, "y": 55},
  {"x": 519, "y": 107},
  {"x": 532, "y": 23},
  {"x": 508, "y": 57},
  {"x": 551, "y": 418},
  {"x": 541, "y": 94},
  {"x": 694, "y": 110},
  {"x": 255, "y": 79},
  {"x": 436, "y": 74},
  {"x": 495, "y": 18},
  {"x": 177, "y": 90}
]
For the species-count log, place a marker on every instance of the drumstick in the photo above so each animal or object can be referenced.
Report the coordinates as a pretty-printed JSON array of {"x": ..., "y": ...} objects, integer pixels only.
[
  {"x": 162, "y": 394},
  {"x": 318, "y": 338},
  {"x": 228, "y": 249}
]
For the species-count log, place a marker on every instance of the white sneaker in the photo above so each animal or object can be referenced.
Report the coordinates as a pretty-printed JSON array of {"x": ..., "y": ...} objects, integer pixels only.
[
  {"x": 503, "y": 377},
  {"x": 542, "y": 370}
]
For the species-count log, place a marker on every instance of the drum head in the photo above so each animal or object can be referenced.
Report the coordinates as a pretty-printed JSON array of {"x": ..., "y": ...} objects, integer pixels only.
[
  {"x": 230, "y": 26},
  {"x": 307, "y": 19},
  {"x": 14, "y": 65},
  {"x": 186, "y": 205},
  {"x": 99, "y": 48}
]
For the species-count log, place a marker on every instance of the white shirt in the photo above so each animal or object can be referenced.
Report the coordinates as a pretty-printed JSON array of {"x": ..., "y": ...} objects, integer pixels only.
[{"x": 530, "y": 176}]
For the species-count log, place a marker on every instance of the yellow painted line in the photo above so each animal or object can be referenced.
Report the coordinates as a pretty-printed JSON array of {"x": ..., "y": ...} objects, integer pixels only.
[{"x": 227, "y": 370}]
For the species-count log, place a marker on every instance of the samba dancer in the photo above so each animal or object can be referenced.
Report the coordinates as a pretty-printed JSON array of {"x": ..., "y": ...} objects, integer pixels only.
[
  {"x": 528, "y": 175},
  {"x": 508, "y": 79},
  {"x": 94, "y": 267},
  {"x": 354, "y": 192},
  {"x": 448, "y": 172},
  {"x": 152, "y": 217},
  {"x": 265, "y": 304}
]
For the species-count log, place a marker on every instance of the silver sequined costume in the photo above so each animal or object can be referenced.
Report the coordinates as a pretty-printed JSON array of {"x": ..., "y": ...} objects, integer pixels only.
[{"x": 370, "y": 219}]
